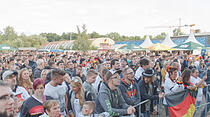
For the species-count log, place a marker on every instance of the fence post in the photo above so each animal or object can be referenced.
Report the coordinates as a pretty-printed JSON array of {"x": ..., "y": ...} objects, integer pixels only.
[{"x": 207, "y": 91}]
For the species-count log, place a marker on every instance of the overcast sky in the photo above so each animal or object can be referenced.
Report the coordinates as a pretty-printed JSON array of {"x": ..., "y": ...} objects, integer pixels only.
[{"x": 127, "y": 17}]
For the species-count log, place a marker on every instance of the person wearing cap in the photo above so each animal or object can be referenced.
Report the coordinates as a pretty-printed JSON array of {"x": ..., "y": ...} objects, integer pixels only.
[
  {"x": 9, "y": 77},
  {"x": 148, "y": 90},
  {"x": 110, "y": 98},
  {"x": 129, "y": 88},
  {"x": 171, "y": 85},
  {"x": 144, "y": 64},
  {"x": 123, "y": 64}
]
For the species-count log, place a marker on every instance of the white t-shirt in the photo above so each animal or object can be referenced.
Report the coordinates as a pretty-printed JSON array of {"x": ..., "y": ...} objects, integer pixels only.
[
  {"x": 77, "y": 107},
  {"x": 21, "y": 93},
  {"x": 57, "y": 93},
  {"x": 200, "y": 90}
]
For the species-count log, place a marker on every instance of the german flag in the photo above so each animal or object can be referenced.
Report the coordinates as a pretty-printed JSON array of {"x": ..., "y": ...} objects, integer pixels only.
[{"x": 182, "y": 104}]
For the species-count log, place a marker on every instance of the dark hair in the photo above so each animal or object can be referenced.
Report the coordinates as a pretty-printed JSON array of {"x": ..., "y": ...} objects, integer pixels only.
[
  {"x": 193, "y": 70},
  {"x": 186, "y": 75},
  {"x": 50, "y": 63},
  {"x": 144, "y": 61},
  {"x": 57, "y": 71},
  {"x": 59, "y": 62},
  {"x": 113, "y": 62}
]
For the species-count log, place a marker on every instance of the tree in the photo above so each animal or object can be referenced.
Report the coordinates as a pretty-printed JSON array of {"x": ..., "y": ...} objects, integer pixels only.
[
  {"x": 115, "y": 36},
  {"x": 9, "y": 34},
  {"x": 82, "y": 43},
  {"x": 94, "y": 35},
  {"x": 160, "y": 36},
  {"x": 177, "y": 32}
]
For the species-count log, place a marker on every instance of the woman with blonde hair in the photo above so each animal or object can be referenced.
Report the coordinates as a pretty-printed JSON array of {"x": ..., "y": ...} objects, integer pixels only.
[
  {"x": 24, "y": 80},
  {"x": 76, "y": 96},
  {"x": 44, "y": 74}
]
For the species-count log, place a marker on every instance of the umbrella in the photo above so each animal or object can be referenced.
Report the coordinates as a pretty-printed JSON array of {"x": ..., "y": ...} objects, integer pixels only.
[
  {"x": 189, "y": 46},
  {"x": 159, "y": 47}
]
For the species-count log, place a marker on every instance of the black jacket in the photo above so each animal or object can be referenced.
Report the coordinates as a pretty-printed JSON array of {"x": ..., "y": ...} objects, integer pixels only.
[{"x": 144, "y": 88}]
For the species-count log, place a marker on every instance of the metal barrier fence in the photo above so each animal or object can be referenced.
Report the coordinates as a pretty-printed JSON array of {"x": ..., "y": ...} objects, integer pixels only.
[{"x": 201, "y": 113}]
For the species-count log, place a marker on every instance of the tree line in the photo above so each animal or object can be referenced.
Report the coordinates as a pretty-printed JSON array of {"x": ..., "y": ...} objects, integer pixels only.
[{"x": 9, "y": 36}]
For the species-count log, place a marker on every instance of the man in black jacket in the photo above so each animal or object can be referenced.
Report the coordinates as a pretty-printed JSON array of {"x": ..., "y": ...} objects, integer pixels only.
[{"x": 148, "y": 91}]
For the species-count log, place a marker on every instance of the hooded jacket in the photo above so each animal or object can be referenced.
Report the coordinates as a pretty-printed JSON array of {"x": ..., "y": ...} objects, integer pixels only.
[{"x": 111, "y": 101}]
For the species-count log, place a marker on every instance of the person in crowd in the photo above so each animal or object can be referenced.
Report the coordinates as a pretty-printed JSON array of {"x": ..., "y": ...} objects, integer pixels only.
[
  {"x": 148, "y": 90},
  {"x": 185, "y": 62},
  {"x": 31, "y": 75},
  {"x": 201, "y": 68},
  {"x": 90, "y": 92},
  {"x": 78, "y": 72},
  {"x": 164, "y": 72},
  {"x": 25, "y": 63},
  {"x": 44, "y": 74},
  {"x": 144, "y": 64},
  {"x": 200, "y": 84},
  {"x": 6, "y": 101},
  {"x": 24, "y": 80},
  {"x": 60, "y": 65},
  {"x": 171, "y": 85},
  {"x": 38, "y": 69},
  {"x": 123, "y": 64},
  {"x": 55, "y": 90},
  {"x": 110, "y": 98},
  {"x": 51, "y": 64},
  {"x": 31, "y": 62},
  {"x": 186, "y": 75},
  {"x": 129, "y": 89},
  {"x": 18, "y": 64},
  {"x": 33, "y": 106},
  {"x": 115, "y": 65},
  {"x": 70, "y": 68},
  {"x": 88, "y": 110},
  {"x": 10, "y": 77},
  {"x": 51, "y": 109},
  {"x": 76, "y": 99}
]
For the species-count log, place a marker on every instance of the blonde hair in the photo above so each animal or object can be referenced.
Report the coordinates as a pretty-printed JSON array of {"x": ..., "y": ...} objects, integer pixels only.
[
  {"x": 90, "y": 104},
  {"x": 27, "y": 83},
  {"x": 78, "y": 82},
  {"x": 47, "y": 105}
]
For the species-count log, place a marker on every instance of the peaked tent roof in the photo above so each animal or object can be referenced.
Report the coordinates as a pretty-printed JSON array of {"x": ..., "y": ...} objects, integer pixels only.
[
  {"x": 189, "y": 46},
  {"x": 168, "y": 42},
  {"x": 147, "y": 42},
  {"x": 191, "y": 38}
]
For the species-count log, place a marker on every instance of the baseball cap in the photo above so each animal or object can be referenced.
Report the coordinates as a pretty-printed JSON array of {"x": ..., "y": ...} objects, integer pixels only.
[{"x": 8, "y": 73}]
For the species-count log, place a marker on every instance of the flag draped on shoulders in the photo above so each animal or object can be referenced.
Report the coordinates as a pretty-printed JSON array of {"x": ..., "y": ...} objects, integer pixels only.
[{"x": 182, "y": 104}]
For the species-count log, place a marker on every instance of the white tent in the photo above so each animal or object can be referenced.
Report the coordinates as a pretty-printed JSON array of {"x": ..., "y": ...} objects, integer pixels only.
[
  {"x": 147, "y": 42},
  {"x": 168, "y": 42},
  {"x": 191, "y": 38}
]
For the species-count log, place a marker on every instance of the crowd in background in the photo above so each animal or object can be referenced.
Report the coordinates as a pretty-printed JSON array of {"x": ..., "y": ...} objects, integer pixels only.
[{"x": 75, "y": 84}]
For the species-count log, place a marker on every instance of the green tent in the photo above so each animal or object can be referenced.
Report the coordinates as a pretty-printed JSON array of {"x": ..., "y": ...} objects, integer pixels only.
[
  {"x": 189, "y": 46},
  {"x": 132, "y": 47},
  {"x": 6, "y": 47}
]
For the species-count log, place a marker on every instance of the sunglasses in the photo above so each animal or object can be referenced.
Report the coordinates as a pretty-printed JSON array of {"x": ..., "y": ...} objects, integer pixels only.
[{"x": 75, "y": 79}]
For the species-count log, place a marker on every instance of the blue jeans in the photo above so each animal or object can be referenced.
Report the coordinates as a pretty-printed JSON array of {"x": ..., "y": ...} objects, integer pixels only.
[
  {"x": 197, "y": 103},
  {"x": 166, "y": 110},
  {"x": 146, "y": 114}
]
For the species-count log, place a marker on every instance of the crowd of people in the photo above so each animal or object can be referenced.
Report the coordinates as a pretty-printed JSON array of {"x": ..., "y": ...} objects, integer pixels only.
[{"x": 111, "y": 84}]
